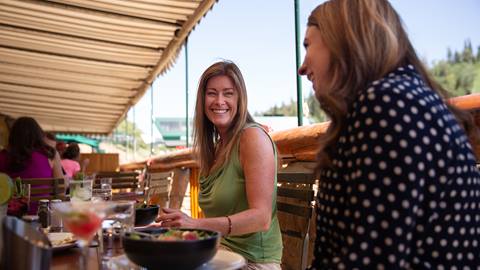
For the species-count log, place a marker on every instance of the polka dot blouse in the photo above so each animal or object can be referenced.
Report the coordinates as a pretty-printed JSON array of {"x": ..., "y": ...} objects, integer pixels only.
[{"x": 404, "y": 191}]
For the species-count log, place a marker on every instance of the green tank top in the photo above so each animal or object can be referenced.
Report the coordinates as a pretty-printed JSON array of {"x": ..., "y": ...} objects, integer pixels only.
[{"x": 223, "y": 193}]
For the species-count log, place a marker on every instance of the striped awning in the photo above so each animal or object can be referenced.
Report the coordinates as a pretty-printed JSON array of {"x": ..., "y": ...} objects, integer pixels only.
[{"x": 77, "y": 66}]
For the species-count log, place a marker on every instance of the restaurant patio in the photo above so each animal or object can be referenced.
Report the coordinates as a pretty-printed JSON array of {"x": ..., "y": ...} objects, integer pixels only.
[{"x": 78, "y": 67}]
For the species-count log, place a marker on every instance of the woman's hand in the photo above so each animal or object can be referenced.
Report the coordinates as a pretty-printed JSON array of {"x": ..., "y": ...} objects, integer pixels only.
[{"x": 175, "y": 218}]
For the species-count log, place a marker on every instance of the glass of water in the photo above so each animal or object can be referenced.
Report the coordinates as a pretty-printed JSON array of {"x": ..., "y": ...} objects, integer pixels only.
[
  {"x": 106, "y": 183},
  {"x": 119, "y": 220},
  {"x": 80, "y": 190},
  {"x": 103, "y": 191}
]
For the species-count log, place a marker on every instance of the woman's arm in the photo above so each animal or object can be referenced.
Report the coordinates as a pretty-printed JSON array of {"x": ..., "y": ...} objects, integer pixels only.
[
  {"x": 258, "y": 162},
  {"x": 84, "y": 164},
  {"x": 57, "y": 166}
]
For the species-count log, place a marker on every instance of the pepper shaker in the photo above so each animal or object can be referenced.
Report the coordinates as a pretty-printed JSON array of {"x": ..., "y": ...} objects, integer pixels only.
[{"x": 44, "y": 213}]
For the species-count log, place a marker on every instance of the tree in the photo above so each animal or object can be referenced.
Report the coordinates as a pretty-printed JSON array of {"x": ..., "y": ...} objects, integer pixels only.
[
  {"x": 449, "y": 55},
  {"x": 478, "y": 54},
  {"x": 458, "y": 74},
  {"x": 457, "y": 57},
  {"x": 316, "y": 113},
  {"x": 137, "y": 134},
  {"x": 467, "y": 54}
]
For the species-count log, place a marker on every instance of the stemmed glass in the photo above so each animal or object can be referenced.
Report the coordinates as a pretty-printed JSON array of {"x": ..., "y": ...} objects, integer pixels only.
[{"x": 83, "y": 219}]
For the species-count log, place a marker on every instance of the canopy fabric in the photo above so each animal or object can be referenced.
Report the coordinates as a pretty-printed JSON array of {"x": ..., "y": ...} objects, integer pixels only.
[
  {"x": 77, "y": 66},
  {"x": 78, "y": 139}
]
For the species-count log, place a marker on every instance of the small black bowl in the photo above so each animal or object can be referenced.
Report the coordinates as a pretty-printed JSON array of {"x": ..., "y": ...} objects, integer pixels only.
[
  {"x": 146, "y": 215},
  {"x": 178, "y": 254}
]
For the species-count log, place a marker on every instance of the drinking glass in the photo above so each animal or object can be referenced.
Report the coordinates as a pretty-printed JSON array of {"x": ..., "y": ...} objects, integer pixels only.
[
  {"x": 119, "y": 220},
  {"x": 83, "y": 219},
  {"x": 106, "y": 183},
  {"x": 103, "y": 193},
  {"x": 81, "y": 190}
]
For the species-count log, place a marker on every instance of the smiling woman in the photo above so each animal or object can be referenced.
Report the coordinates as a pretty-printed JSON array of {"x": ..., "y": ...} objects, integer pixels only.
[
  {"x": 317, "y": 60},
  {"x": 221, "y": 100},
  {"x": 398, "y": 179},
  {"x": 237, "y": 171}
]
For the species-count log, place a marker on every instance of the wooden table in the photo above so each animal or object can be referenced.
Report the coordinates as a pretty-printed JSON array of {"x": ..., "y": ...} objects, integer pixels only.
[{"x": 69, "y": 259}]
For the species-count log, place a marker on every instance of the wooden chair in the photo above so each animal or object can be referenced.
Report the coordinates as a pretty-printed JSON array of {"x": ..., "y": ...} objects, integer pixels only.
[
  {"x": 125, "y": 185},
  {"x": 158, "y": 186},
  {"x": 46, "y": 188},
  {"x": 180, "y": 181},
  {"x": 295, "y": 204}
]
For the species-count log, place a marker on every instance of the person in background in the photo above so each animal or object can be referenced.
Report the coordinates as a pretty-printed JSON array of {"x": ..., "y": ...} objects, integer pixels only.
[
  {"x": 27, "y": 154},
  {"x": 51, "y": 139},
  {"x": 61, "y": 146},
  {"x": 238, "y": 171},
  {"x": 399, "y": 188},
  {"x": 70, "y": 159}
]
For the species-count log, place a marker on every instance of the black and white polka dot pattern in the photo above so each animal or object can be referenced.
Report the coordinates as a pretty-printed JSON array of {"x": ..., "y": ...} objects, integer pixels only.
[{"x": 404, "y": 191}]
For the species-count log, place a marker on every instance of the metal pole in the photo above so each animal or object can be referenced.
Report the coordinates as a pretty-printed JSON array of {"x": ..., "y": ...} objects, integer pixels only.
[
  {"x": 126, "y": 137},
  {"x": 151, "y": 120},
  {"x": 186, "y": 90},
  {"x": 297, "y": 56},
  {"x": 134, "y": 135}
]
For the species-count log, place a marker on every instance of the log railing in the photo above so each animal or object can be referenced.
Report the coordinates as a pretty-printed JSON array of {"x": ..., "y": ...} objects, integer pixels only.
[{"x": 298, "y": 143}]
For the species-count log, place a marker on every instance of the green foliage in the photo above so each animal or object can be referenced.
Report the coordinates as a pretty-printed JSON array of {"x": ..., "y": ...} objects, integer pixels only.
[
  {"x": 289, "y": 109},
  {"x": 78, "y": 176},
  {"x": 459, "y": 73},
  {"x": 457, "y": 78},
  {"x": 313, "y": 109},
  {"x": 317, "y": 114},
  {"x": 122, "y": 133},
  {"x": 478, "y": 54},
  {"x": 123, "y": 130},
  {"x": 476, "y": 82}
]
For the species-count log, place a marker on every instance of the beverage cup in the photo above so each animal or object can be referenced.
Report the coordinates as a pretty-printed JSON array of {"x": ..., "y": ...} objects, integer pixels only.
[
  {"x": 80, "y": 190},
  {"x": 106, "y": 183},
  {"x": 99, "y": 194},
  {"x": 119, "y": 220}
]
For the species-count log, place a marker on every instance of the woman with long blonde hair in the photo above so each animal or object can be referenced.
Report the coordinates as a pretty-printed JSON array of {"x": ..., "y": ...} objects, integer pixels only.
[
  {"x": 237, "y": 171},
  {"x": 399, "y": 187}
]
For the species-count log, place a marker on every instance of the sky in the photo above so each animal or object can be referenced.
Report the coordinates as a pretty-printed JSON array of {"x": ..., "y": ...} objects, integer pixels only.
[{"x": 259, "y": 36}]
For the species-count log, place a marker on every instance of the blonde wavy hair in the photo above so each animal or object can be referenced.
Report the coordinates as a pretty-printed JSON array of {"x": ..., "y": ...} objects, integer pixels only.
[
  {"x": 206, "y": 137},
  {"x": 366, "y": 41}
]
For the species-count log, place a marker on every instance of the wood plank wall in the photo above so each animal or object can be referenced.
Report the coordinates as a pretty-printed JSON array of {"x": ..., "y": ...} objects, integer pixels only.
[{"x": 101, "y": 162}]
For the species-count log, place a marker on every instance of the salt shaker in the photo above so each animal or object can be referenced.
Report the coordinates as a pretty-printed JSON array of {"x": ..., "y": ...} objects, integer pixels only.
[{"x": 56, "y": 222}]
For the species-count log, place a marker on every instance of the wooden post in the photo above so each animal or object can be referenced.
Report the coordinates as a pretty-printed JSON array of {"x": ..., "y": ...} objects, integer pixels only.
[{"x": 194, "y": 189}]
